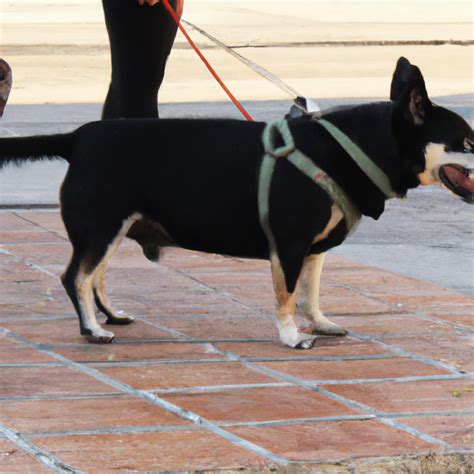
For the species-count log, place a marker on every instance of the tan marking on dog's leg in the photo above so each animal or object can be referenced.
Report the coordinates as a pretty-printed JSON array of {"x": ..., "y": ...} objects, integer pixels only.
[
  {"x": 84, "y": 285},
  {"x": 90, "y": 327},
  {"x": 336, "y": 217},
  {"x": 310, "y": 282},
  {"x": 102, "y": 300},
  {"x": 290, "y": 335}
]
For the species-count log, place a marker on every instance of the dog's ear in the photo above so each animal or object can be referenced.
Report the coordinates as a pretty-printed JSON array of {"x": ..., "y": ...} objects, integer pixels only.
[
  {"x": 408, "y": 90},
  {"x": 400, "y": 78}
]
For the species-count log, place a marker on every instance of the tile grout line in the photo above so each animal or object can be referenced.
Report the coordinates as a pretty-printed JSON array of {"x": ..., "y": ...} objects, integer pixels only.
[
  {"x": 264, "y": 423},
  {"x": 39, "y": 454},
  {"x": 417, "y": 314},
  {"x": 220, "y": 388},
  {"x": 380, "y": 416},
  {"x": 28, "y": 263},
  {"x": 151, "y": 362},
  {"x": 149, "y": 397},
  {"x": 15, "y": 213},
  {"x": 61, "y": 396},
  {"x": 419, "y": 358}
]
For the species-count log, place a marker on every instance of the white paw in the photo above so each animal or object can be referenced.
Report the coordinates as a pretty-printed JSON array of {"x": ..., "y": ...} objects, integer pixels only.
[{"x": 291, "y": 336}]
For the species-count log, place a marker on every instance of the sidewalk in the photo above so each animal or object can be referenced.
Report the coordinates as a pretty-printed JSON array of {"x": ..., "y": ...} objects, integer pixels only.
[
  {"x": 201, "y": 382},
  {"x": 58, "y": 49}
]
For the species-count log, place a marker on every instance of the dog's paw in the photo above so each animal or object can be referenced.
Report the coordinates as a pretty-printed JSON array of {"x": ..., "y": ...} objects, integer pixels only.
[
  {"x": 322, "y": 326},
  {"x": 327, "y": 329},
  {"x": 120, "y": 320},
  {"x": 292, "y": 337},
  {"x": 97, "y": 336}
]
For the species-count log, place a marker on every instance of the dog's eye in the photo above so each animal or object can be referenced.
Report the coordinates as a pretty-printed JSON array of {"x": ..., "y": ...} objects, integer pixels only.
[{"x": 468, "y": 144}]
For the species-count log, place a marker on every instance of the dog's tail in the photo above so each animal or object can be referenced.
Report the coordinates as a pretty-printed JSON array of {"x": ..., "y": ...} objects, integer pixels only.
[{"x": 19, "y": 150}]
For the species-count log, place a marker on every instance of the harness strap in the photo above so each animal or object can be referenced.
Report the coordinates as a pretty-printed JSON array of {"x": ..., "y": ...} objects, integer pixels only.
[
  {"x": 376, "y": 175},
  {"x": 277, "y": 132}
]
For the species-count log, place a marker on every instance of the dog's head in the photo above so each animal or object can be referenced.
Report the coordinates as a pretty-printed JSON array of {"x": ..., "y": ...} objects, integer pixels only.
[{"x": 436, "y": 144}]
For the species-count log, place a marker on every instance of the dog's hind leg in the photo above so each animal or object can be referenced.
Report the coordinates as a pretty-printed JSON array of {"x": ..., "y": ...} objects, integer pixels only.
[
  {"x": 309, "y": 300},
  {"x": 77, "y": 280},
  {"x": 101, "y": 299},
  {"x": 289, "y": 332},
  {"x": 90, "y": 253}
]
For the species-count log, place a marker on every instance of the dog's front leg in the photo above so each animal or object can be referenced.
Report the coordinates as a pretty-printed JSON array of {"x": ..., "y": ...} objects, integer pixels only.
[
  {"x": 289, "y": 332},
  {"x": 309, "y": 297}
]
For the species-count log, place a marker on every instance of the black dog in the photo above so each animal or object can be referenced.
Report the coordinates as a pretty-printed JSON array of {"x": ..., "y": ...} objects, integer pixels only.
[
  {"x": 140, "y": 39},
  {"x": 198, "y": 184}
]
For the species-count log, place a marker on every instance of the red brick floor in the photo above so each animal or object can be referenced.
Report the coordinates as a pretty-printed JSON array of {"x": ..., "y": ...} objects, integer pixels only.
[{"x": 201, "y": 382}]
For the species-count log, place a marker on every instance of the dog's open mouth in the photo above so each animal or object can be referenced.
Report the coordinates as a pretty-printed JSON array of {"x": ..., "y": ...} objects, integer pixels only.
[{"x": 458, "y": 180}]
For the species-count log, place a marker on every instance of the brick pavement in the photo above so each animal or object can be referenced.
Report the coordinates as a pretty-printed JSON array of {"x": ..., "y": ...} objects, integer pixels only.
[{"x": 201, "y": 381}]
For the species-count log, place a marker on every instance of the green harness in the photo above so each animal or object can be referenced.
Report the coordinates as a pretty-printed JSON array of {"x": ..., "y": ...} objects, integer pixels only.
[{"x": 277, "y": 132}]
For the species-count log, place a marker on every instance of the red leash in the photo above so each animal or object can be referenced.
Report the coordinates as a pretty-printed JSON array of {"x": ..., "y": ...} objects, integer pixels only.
[{"x": 204, "y": 60}]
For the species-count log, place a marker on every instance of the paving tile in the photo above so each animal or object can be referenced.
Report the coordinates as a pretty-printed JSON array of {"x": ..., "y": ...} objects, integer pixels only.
[
  {"x": 386, "y": 324},
  {"x": 186, "y": 260},
  {"x": 67, "y": 331},
  {"x": 458, "y": 431},
  {"x": 18, "y": 237},
  {"x": 259, "y": 404},
  {"x": 151, "y": 452},
  {"x": 140, "y": 352},
  {"x": 334, "y": 300},
  {"x": 444, "y": 347},
  {"x": 215, "y": 327},
  {"x": 28, "y": 381},
  {"x": 83, "y": 414},
  {"x": 13, "y": 270},
  {"x": 15, "y": 461},
  {"x": 325, "y": 346},
  {"x": 186, "y": 375},
  {"x": 417, "y": 397},
  {"x": 455, "y": 314},
  {"x": 333, "y": 441},
  {"x": 15, "y": 354},
  {"x": 11, "y": 222},
  {"x": 376, "y": 282},
  {"x": 44, "y": 254},
  {"x": 39, "y": 308},
  {"x": 21, "y": 297},
  {"x": 433, "y": 301},
  {"x": 176, "y": 304},
  {"x": 353, "y": 369},
  {"x": 48, "y": 220},
  {"x": 6, "y": 343}
]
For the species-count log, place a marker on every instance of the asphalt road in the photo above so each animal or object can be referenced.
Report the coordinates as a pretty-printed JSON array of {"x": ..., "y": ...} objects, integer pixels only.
[{"x": 428, "y": 236}]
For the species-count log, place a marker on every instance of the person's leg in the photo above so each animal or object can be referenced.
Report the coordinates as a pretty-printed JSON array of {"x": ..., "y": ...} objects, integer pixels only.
[{"x": 140, "y": 38}]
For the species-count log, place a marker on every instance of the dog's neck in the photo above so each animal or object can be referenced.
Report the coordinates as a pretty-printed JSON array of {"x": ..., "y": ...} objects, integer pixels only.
[{"x": 370, "y": 126}]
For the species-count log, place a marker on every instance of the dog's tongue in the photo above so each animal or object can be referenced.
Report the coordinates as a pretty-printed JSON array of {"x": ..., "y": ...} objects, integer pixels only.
[
  {"x": 458, "y": 178},
  {"x": 459, "y": 181}
]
